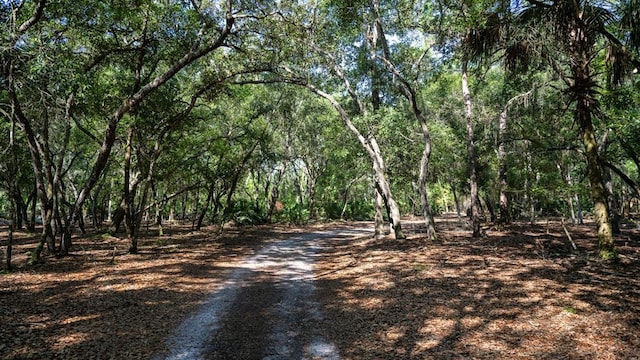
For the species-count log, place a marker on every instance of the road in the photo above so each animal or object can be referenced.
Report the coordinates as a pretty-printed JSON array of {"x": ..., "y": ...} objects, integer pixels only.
[{"x": 265, "y": 309}]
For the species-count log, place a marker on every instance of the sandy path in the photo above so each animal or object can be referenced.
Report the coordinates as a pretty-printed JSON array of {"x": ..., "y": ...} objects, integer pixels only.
[{"x": 266, "y": 308}]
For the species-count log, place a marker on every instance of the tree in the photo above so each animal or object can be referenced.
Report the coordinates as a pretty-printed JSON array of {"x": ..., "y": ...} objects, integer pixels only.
[
  {"x": 95, "y": 52},
  {"x": 576, "y": 27},
  {"x": 408, "y": 90},
  {"x": 322, "y": 42},
  {"x": 476, "y": 28}
]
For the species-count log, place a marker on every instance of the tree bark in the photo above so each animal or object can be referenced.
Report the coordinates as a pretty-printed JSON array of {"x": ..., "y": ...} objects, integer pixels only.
[
  {"x": 456, "y": 201},
  {"x": 205, "y": 208},
  {"x": 380, "y": 230},
  {"x": 606, "y": 245},
  {"x": 43, "y": 191},
  {"x": 393, "y": 210},
  {"x": 502, "y": 167},
  {"x": 473, "y": 178},
  {"x": 586, "y": 105},
  {"x": 372, "y": 149},
  {"x": 409, "y": 93},
  {"x": 612, "y": 201},
  {"x": 128, "y": 196}
]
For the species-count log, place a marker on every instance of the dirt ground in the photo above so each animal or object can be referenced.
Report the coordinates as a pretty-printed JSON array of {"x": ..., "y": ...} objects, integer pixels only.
[{"x": 521, "y": 292}]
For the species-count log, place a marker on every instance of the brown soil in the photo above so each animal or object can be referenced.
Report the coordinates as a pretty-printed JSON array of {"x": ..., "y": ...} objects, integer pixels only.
[{"x": 519, "y": 292}]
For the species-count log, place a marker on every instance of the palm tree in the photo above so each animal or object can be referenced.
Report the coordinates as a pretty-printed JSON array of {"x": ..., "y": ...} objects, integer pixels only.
[{"x": 567, "y": 35}]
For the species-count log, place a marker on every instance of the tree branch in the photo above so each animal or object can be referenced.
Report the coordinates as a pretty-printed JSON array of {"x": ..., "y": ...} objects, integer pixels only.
[
  {"x": 37, "y": 14},
  {"x": 134, "y": 100},
  {"x": 632, "y": 184}
]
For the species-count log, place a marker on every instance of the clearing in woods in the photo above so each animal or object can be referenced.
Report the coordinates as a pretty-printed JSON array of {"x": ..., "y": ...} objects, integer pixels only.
[{"x": 328, "y": 291}]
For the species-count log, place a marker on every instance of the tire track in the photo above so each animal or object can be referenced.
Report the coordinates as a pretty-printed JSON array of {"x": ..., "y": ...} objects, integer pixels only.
[{"x": 265, "y": 309}]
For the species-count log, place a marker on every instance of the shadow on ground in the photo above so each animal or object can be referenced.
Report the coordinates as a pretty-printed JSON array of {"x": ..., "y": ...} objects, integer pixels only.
[
  {"x": 519, "y": 293},
  {"x": 103, "y": 303}
]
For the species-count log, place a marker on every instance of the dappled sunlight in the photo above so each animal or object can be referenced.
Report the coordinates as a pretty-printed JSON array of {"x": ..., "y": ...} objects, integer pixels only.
[
  {"x": 70, "y": 340},
  {"x": 495, "y": 297},
  {"x": 503, "y": 296},
  {"x": 111, "y": 303}
]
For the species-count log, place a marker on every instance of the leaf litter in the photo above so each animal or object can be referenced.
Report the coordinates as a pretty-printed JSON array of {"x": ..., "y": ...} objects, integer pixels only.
[{"x": 521, "y": 292}]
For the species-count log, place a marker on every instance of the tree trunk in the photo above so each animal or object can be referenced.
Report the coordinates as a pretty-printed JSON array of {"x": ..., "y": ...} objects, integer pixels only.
[
  {"x": 490, "y": 207},
  {"x": 586, "y": 105},
  {"x": 532, "y": 201},
  {"x": 612, "y": 201},
  {"x": 274, "y": 194},
  {"x": 378, "y": 163},
  {"x": 502, "y": 164},
  {"x": 456, "y": 201},
  {"x": 409, "y": 93},
  {"x": 312, "y": 180},
  {"x": 345, "y": 201},
  {"x": 422, "y": 189},
  {"x": 371, "y": 147},
  {"x": 12, "y": 202},
  {"x": 117, "y": 218},
  {"x": 44, "y": 192},
  {"x": 393, "y": 210},
  {"x": 20, "y": 207},
  {"x": 158, "y": 208},
  {"x": 380, "y": 230},
  {"x": 8, "y": 264},
  {"x": 566, "y": 176},
  {"x": 129, "y": 223},
  {"x": 33, "y": 201},
  {"x": 205, "y": 207},
  {"x": 606, "y": 245},
  {"x": 217, "y": 203},
  {"x": 473, "y": 180},
  {"x": 172, "y": 211},
  {"x": 109, "y": 207}
]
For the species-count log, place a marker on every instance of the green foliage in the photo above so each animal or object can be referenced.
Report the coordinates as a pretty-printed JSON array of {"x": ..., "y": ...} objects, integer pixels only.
[
  {"x": 294, "y": 214},
  {"x": 234, "y": 126},
  {"x": 4, "y": 204},
  {"x": 441, "y": 198},
  {"x": 244, "y": 212}
]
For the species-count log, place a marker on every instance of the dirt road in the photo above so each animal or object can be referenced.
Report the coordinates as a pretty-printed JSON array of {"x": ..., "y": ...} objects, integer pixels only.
[{"x": 266, "y": 308}]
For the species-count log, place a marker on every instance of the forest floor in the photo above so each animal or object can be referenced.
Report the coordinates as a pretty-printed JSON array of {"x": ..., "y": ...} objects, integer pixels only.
[{"x": 520, "y": 292}]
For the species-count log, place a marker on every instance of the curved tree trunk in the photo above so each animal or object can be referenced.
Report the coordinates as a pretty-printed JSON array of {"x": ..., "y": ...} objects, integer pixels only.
[
  {"x": 606, "y": 245},
  {"x": 371, "y": 147},
  {"x": 586, "y": 105},
  {"x": 205, "y": 208},
  {"x": 409, "y": 93},
  {"x": 422, "y": 189},
  {"x": 393, "y": 210}
]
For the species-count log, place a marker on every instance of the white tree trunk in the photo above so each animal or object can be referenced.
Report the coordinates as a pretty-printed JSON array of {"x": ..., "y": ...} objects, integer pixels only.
[{"x": 473, "y": 179}]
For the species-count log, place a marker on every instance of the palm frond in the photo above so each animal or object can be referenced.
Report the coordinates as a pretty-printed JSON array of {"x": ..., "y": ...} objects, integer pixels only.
[
  {"x": 619, "y": 64},
  {"x": 517, "y": 57},
  {"x": 595, "y": 18},
  {"x": 483, "y": 39},
  {"x": 630, "y": 22}
]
